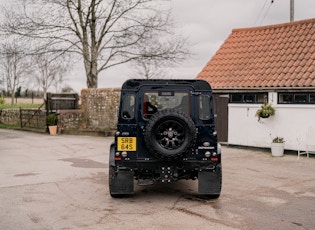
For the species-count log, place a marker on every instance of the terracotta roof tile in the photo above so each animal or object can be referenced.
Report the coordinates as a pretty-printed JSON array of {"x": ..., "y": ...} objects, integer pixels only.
[{"x": 270, "y": 56}]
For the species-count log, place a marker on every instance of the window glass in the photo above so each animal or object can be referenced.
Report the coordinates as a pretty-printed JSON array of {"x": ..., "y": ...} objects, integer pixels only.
[
  {"x": 204, "y": 107},
  {"x": 237, "y": 98},
  {"x": 285, "y": 98},
  {"x": 154, "y": 101},
  {"x": 296, "y": 98},
  {"x": 300, "y": 98},
  {"x": 128, "y": 107},
  {"x": 262, "y": 98},
  {"x": 249, "y": 98}
]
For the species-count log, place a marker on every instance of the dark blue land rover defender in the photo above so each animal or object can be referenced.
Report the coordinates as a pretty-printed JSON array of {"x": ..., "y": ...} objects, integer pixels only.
[{"x": 165, "y": 133}]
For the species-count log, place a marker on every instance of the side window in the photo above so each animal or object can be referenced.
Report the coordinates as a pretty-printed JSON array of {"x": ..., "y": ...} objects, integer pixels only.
[
  {"x": 204, "y": 107},
  {"x": 128, "y": 107}
]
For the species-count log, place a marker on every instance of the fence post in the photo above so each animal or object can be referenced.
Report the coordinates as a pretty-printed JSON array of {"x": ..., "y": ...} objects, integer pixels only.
[
  {"x": 48, "y": 102},
  {"x": 21, "y": 117}
]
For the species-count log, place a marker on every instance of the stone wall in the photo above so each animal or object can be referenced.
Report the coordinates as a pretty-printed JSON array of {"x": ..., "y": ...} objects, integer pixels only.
[
  {"x": 10, "y": 116},
  {"x": 100, "y": 108},
  {"x": 98, "y": 113},
  {"x": 71, "y": 120}
]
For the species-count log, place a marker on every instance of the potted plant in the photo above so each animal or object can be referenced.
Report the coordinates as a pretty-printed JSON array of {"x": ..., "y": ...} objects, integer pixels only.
[
  {"x": 265, "y": 111},
  {"x": 51, "y": 121},
  {"x": 277, "y": 146}
]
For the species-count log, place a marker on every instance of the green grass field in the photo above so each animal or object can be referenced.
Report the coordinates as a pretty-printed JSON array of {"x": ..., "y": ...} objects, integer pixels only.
[
  {"x": 5, "y": 126},
  {"x": 20, "y": 105},
  {"x": 24, "y": 103}
]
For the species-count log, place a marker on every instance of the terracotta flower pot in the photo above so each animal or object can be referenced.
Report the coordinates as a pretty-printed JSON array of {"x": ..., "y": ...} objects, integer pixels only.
[{"x": 53, "y": 129}]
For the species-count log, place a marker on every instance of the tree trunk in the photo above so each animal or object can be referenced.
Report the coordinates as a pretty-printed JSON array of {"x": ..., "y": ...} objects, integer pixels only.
[
  {"x": 45, "y": 92},
  {"x": 91, "y": 80},
  {"x": 91, "y": 74},
  {"x": 12, "y": 98}
]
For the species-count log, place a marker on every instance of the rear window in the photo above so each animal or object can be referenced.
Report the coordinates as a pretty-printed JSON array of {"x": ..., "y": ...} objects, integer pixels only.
[
  {"x": 128, "y": 106},
  {"x": 154, "y": 101}
]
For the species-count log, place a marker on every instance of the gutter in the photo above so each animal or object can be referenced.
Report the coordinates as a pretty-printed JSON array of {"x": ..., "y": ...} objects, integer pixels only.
[{"x": 263, "y": 89}]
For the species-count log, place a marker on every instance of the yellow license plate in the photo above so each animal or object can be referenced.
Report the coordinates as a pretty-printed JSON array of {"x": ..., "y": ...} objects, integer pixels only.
[{"x": 127, "y": 144}]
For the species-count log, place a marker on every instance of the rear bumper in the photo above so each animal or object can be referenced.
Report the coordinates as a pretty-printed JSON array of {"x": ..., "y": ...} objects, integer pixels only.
[{"x": 157, "y": 164}]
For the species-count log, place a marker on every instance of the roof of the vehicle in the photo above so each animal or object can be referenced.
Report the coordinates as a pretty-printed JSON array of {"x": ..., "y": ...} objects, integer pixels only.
[{"x": 135, "y": 84}]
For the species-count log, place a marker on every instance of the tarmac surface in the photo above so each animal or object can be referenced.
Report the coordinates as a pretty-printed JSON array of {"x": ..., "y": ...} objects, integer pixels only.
[{"x": 61, "y": 182}]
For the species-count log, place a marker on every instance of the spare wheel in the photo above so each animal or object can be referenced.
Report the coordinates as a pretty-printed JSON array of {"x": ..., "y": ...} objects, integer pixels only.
[{"x": 169, "y": 134}]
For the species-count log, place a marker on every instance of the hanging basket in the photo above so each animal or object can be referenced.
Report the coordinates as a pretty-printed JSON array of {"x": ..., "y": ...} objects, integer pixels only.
[
  {"x": 264, "y": 115},
  {"x": 265, "y": 111}
]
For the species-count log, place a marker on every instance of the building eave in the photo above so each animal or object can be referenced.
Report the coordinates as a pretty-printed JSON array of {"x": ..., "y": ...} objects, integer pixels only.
[{"x": 264, "y": 89}]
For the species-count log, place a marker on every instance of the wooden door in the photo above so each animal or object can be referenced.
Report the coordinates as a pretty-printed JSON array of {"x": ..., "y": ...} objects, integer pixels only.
[{"x": 221, "y": 102}]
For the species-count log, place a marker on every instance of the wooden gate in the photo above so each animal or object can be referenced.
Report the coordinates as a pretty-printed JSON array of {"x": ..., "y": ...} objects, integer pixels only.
[
  {"x": 33, "y": 119},
  {"x": 60, "y": 101},
  {"x": 221, "y": 102}
]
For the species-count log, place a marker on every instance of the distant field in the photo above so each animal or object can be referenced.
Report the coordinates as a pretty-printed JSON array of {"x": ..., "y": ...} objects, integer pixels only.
[
  {"x": 26, "y": 103},
  {"x": 21, "y": 100}
]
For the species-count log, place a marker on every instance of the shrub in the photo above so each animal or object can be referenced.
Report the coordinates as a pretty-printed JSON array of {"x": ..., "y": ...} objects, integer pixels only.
[
  {"x": 52, "y": 119},
  {"x": 2, "y": 100},
  {"x": 278, "y": 140}
]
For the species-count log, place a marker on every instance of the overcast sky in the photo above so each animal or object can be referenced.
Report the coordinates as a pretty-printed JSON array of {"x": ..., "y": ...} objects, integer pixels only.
[{"x": 207, "y": 23}]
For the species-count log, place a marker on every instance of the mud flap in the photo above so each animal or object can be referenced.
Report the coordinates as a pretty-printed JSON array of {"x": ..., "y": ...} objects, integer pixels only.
[
  {"x": 121, "y": 183},
  {"x": 209, "y": 182},
  {"x": 112, "y": 154}
]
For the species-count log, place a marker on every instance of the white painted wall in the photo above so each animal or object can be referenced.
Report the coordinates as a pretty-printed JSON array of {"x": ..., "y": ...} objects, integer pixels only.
[{"x": 289, "y": 121}]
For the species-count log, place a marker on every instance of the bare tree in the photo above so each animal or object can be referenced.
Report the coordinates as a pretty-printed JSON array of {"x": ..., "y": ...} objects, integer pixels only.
[
  {"x": 14, "y": 65},
  {"x": 147, "y": 70},
  {"x": 174, "y": 50},
  {"x": 105, "y": 33},
  {"x": 59, "y": 82},
  {"x": 67, "y": 89},
  {"x": 48, "y": 71}
]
